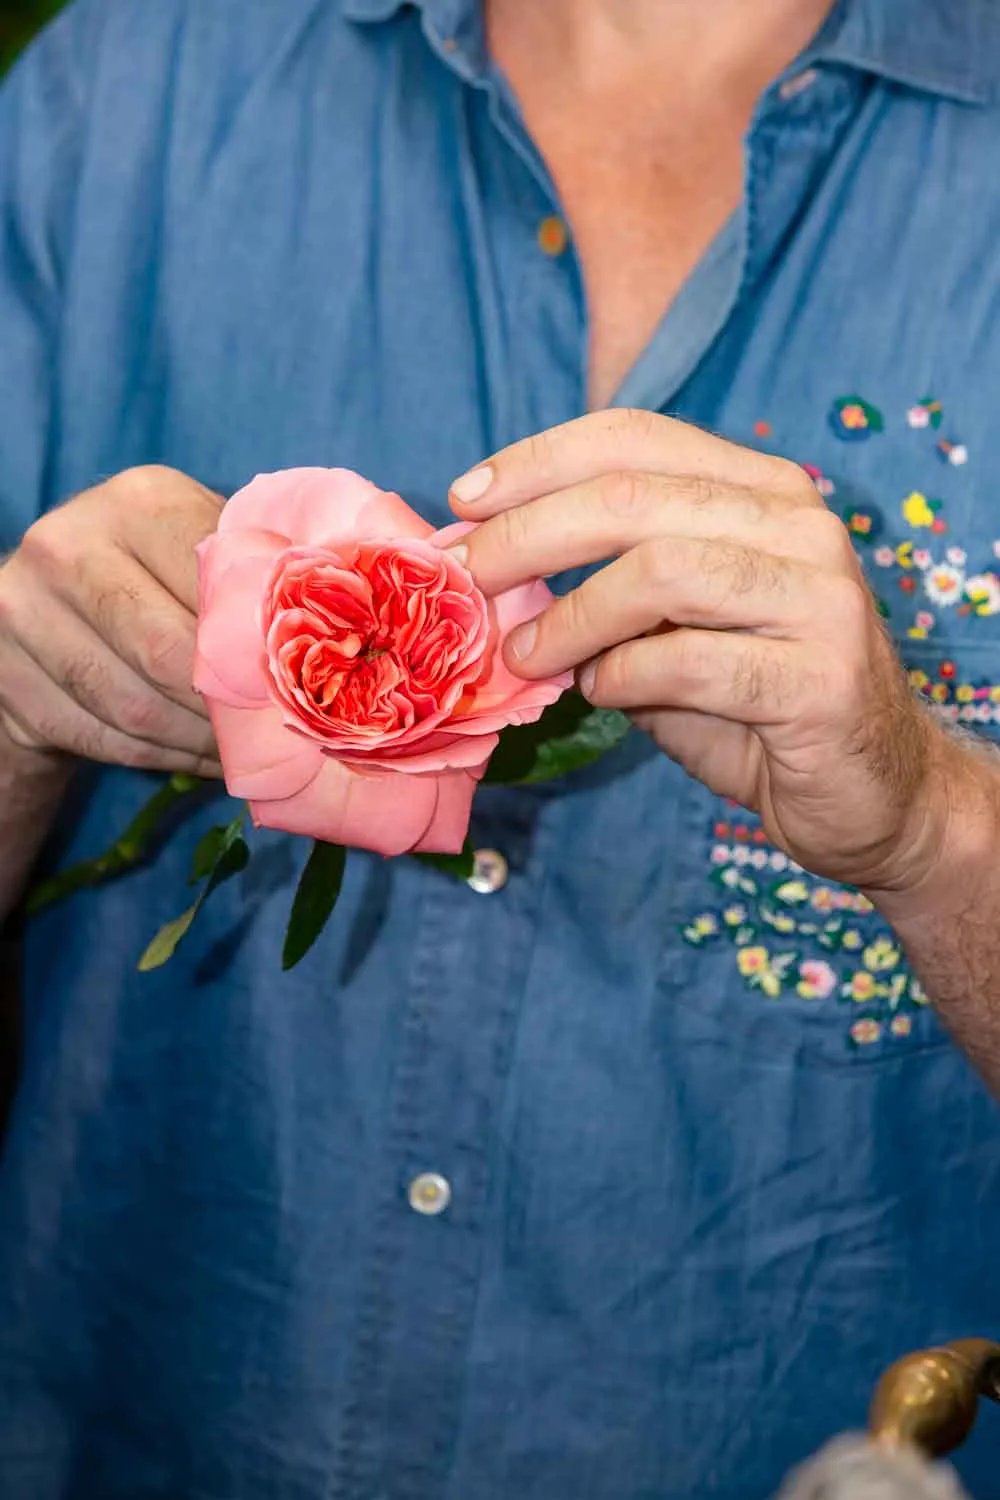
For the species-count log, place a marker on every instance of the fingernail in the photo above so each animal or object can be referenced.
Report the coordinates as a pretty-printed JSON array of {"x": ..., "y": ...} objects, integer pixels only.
[
  {"x": 459, "y": 552},
  {"x": 585, "y": 679},
  {"x": 522, "y": 640},
  {"x": 473, "y": 485}
]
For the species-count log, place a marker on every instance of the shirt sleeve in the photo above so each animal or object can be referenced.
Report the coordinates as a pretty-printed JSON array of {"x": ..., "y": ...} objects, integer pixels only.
[{"x": 41, "y": 138}]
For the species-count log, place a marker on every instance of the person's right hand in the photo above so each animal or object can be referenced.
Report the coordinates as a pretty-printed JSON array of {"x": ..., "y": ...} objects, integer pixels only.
[{"x": 98, "y": 611}]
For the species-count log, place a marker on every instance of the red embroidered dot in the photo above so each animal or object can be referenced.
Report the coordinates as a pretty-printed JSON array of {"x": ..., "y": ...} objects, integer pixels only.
[
  {"x": 947, "y": 670},
  {"x": 965, "y": 609},
  {"x": 762, "y": 429},
  {"x": 907, "y": 583},
  {"x": 938, "y": 526},
  {"x": 721, "y": 830},
  {"x": 759, "y": 836},
  {"x": 741, "y": 831}
]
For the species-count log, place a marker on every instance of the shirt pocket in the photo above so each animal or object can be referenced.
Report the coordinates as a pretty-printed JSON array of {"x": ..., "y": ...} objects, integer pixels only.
[{"x": 787, "y": 964}]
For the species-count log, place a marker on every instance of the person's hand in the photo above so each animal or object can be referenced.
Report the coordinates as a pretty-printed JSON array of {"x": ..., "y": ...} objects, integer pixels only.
[
  {"x": 733, "y": 623},
  {"x": 97, "y": 628}
]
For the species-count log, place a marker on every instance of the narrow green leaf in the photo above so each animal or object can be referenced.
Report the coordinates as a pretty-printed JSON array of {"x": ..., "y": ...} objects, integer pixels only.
[
  {"x": 458, "y": 865},
  {"x": 210, "y": 849},
  {"x": 232, "y": 856},
  {"x": 569, "y": 735},
  {"x": 316, "y": 896}
]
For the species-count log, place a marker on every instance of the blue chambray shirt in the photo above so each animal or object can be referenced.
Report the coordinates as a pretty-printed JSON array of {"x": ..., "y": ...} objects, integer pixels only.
[{"x": 713, "y": 1162}]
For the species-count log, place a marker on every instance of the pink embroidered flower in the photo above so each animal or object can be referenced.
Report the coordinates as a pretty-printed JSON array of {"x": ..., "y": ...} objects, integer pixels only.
[
  {"x": 351, "y": 666},
  {"x": 817, "y": 979}
]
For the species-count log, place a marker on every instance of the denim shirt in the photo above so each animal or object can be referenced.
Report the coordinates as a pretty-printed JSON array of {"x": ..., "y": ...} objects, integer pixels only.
[{"x": 709, "y": 1161}]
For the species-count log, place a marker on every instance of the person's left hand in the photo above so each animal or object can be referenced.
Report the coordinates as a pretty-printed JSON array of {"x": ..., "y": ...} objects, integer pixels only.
[{"x": 734, "y": 624}]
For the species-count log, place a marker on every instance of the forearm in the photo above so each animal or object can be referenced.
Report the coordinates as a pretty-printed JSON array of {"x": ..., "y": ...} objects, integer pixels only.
[
  {"x": 32, "y": 785},
  {"x": 950, "y": 925}
]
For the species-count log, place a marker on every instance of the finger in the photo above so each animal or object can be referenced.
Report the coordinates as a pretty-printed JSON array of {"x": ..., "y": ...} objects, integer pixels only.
[
  {"x": 36, "y": 711},
  {"x": 139, "y": 622},
  {"x": 68, "y": 653},
  {"x": 602, "y": 517},
  {"x": 162, "y": 532},
  {"x": 722, "y": 755},
  {"x": 608, "y": 441},
  {"x": 744, "y": 679},
  {"x": 717, "y": 585}
]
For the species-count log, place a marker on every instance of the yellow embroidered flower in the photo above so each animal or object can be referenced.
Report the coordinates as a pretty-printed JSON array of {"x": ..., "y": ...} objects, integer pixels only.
[
  {"x": 751, "y": 961},
  {"x": 852, "y": 939},
  {"x": 983, "y": 593},
  {"x": 704, "y": 925},
  {"x": 965, "y": 692},
  {"x": 865, "y": 1032},
  {"x": 781, "y": 921},
  {"x": 901, "y": 1026},
  {"x": 792, "y": 892},
  {"x": 882, "y": 954},
  {"x": 995, "y": 694},
  {"x": 919, "y": 680},
  {"x": 733, "y": 916},
  {"x": 862, "y": 986},
  {"x": 916, "y": 511},
  {"x": 939, "y": 692}
]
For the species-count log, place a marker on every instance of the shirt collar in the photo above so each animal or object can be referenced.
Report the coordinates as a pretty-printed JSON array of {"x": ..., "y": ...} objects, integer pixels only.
[{"x": 947, "y": 47}]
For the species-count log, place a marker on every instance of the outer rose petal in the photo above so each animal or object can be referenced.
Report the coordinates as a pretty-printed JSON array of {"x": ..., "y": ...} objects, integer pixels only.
[
  {"x": 383, "y": 811},
  {"x": 445, "y": 751},
  {"x": 232, "y": 574},
  {"x": 320, "y": 507},
  {"x": 261, "y": 757},
  {"x": 450, "y": 822}
]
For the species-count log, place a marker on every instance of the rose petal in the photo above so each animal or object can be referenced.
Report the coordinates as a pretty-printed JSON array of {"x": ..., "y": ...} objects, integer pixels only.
[
  {"x": 445, "y": 752},
  {"x": 230, "y": 642},
  {"x": 260, "y": 755},
  {"x": 450, "y": 822},
  {"x": 383, "y": 811},
  {"x": 317, "y": 507}
]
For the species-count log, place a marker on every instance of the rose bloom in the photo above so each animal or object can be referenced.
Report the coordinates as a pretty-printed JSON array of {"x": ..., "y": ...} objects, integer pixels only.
[{"x": 351, "y": 667}]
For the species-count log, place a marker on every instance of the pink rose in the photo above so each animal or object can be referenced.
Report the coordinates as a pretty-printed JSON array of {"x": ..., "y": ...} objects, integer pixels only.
[{"x": 351, "y": 667}]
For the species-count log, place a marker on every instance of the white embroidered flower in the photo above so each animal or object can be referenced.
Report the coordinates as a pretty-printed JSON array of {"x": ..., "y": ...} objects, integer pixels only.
[
  {"x": 918, "y": 416},
  {"x": 921, "y": 558},
  {"x": 957, "y": 555},
  {"x": 884, "y": 557},
  {"x": 958, "y": 454},
  {"x": 983, "y": 592},
  {"x": 944, "y": 583}
]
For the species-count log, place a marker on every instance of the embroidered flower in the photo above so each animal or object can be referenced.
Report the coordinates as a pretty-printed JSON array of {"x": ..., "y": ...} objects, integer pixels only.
[
  {"x": 958, "y": 556},
  {"x": 901, "y": 1025},
  {"x": 944, "y": 583},
  {"x": 861, "y": 986},
  {"x": 817, "y": 979},
  {"x": 792, "y": 892},
  {"x": 865, "y": 1032},
  {"x": 882, "y": 954},
  {"x": 921, "y": 558},
  {"x": 884, "y": 557},
  {"x": 925, "y": 413},
  {"x": 918, "y": 510},
  {"x": 983, "y": 592},
  {"x": 701, "y": 927}
]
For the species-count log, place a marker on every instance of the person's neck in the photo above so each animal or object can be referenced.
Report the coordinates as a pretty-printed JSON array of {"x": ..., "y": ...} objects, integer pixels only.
[{"x": 603, "y": 42}]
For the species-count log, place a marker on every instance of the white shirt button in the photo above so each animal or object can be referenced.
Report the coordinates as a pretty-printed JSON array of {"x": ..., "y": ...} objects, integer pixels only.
[
  {"x": 430, "y": 1193},
  {"x": 489, "y": 872}
]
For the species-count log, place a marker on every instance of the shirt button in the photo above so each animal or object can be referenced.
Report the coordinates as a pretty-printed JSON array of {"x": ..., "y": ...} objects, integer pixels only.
[
  {"x": 430, "y": 1193},
  {"x": 489, "y": 872},
  {"x": 553, "y": 236}
]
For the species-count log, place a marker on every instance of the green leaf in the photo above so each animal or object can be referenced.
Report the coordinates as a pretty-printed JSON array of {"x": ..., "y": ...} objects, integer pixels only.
[
  {"x": 570, "y": 734},
  {"x": 231, "y": 855},
  {"x": 315, "y": 898},
  {"x": 125, "y": 853},
  {"x": 458, "y": 865}
]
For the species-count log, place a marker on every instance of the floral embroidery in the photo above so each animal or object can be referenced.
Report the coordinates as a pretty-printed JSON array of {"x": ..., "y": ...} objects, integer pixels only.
[
  {"x": 925, "y": 413},
  {"x": 953, "y": 453},
  {"x": 944, "y": 583},
  {"x": 796, "y": 934},
  {"x": 822, "y": 482},
  {"x": 983, "y": 592},
  {"x": 919, "y": 511},
  {"x": 968, "y": 702},
  {"x": 854, "y": 420}
]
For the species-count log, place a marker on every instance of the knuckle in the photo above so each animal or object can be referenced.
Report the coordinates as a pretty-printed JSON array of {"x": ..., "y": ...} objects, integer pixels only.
[
  {"x": 791, "y": 480},
  {"x": 657, "y": 563},
  {"x": 163, "y": 656},
  {"x": 849, "y": 606},
  {"x": 142, "y": 716},
  {"x": 735, "y": 569},
  {"x": 625, "y": 493},
  {"x": 827, "y": 535},
  {"x": 85, "y": 680}
]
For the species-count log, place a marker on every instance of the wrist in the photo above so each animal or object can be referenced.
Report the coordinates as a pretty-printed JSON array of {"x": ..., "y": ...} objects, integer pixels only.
[
  {"x": 952, "y": 842},
  {"x": 31, "y": 765}
]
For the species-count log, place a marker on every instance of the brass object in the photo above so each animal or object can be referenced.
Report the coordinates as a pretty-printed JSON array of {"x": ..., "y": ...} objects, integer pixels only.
[{"x": 928, "y": 1401}]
